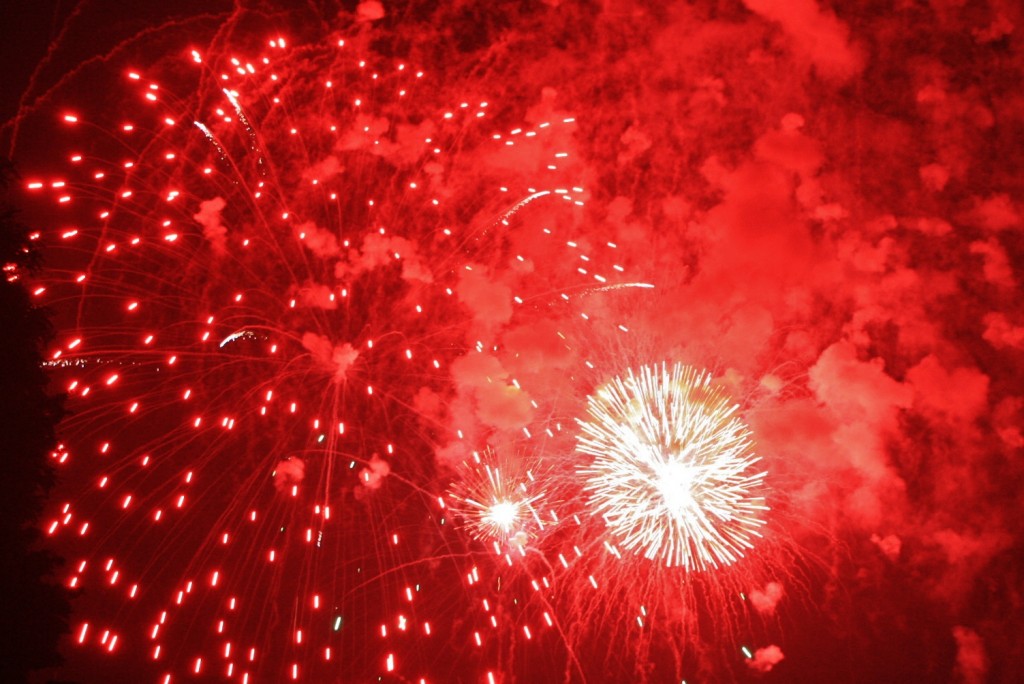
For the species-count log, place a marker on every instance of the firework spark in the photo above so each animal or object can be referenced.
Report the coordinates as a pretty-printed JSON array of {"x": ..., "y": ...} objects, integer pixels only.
[
  {"x": 275, "y": 309},
  {"x": 673, "y": 468},
  {"x": 305, "y": 259},
  {"x": 496, "y": 502}
]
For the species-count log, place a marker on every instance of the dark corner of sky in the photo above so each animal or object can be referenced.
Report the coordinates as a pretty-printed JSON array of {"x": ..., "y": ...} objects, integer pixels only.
[
  {"x": 42, "y": 40},
  {"x": 25, "y": 34}
]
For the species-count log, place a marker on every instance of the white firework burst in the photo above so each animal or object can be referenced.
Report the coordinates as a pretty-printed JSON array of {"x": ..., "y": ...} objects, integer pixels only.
[
  {"x": 673, "y": 472},
  {"x": 494, "y": 500}
]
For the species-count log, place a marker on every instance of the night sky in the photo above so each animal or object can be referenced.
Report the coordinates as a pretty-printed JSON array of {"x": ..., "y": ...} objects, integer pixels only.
[{"x": 339, "y": 288}]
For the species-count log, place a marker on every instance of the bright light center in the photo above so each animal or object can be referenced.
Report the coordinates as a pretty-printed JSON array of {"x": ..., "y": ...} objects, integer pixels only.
[
  {"x": 503, "y": 514},
  {"x": 675, "y": 482},
  {"x": 673, "y": 471}
]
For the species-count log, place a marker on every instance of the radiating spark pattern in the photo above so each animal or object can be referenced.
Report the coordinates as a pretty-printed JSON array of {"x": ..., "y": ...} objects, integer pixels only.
[
  {"x": 326, "y": 328},
  {"x": 277, "y": 306},
  {"x": 496, "y": 502},
  {"x": 305, "y": 259},
  {"x": 673, "y": 471}
]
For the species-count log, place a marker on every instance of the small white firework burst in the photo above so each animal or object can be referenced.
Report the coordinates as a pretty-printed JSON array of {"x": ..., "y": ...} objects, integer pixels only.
[{"x": 494, "y": 499}]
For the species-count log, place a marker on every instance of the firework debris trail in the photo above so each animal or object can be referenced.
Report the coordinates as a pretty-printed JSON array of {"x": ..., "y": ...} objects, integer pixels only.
[{"x": 338, "y": 293}]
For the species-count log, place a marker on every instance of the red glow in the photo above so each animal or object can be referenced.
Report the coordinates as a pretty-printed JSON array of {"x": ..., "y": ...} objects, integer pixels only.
[{"x": 385, "y": 284}]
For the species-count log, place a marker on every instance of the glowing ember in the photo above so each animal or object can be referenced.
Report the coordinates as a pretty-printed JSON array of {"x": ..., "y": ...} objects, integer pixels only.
[{"x": 672, "y": 473}]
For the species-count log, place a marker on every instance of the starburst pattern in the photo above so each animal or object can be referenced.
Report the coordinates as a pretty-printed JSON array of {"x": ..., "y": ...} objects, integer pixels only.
[
  {"x": 325, "y": 319},
  {"x": 673, "y": 471},
  {"x": 266, "y": 311},
  {"x": 495, "y": 501}
]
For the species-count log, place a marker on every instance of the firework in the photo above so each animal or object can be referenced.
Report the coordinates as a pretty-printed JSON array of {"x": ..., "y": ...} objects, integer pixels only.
[
  {"x": 495, "y": 499},
  {"x": 299, "y": 306},
  {"x": 273, "y": 306},
  {"x": 673, "y": 471},
  {"x": 332, "y": 282}
]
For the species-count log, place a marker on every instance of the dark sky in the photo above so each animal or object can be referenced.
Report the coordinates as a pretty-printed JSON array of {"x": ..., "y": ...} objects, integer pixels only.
[
  {"x": 31, "y": 29},
  {"x": 824, "y": 198},
  {"x": 27, "y": 32}
]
